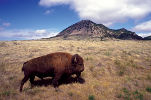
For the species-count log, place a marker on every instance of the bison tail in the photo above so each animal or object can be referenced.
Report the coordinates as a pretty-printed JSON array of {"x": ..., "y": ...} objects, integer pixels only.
[
  {"x": 22, "y": 69},
  {"x": 23, "y": 66}
]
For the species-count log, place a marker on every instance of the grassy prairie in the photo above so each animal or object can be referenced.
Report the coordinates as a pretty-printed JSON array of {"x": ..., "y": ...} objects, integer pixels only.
[{"x": 114, "y": 70}]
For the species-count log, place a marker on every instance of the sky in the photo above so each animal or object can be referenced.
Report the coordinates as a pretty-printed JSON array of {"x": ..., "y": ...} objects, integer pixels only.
[{"x": 34, "y": 19}]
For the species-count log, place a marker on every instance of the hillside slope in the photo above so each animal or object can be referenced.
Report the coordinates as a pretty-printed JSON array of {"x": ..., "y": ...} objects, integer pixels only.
[{"x": 88, "y": 28}]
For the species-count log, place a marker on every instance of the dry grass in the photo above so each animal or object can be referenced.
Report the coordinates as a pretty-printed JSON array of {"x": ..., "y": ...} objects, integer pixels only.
[{"x": 114, "y": 70}]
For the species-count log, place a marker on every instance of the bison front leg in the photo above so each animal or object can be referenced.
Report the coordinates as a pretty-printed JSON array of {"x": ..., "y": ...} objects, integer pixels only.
[
  {"x": 78, "y": 76},
  {"x": 23, "y": 81},
  {"x": 56, "y": 79}
]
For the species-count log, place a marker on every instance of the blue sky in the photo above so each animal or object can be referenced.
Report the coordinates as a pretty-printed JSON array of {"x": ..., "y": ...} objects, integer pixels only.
[{"x": 33, "y": 19}]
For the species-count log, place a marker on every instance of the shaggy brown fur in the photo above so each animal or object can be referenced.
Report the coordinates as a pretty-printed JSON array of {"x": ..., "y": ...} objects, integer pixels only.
[{"x": 55, "y": 65}]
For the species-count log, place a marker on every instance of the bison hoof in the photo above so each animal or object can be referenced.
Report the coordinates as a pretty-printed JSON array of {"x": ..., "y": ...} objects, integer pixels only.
[
  {"x": 32, "y": 85},
  {"x": 57, "y": 90},
  {"x": 55, "y": 84},
  {"x": 77, "y": 79},
  {"x": 80, "y": 80}
]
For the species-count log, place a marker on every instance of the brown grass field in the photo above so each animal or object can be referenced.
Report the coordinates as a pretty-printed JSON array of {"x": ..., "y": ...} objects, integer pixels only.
[{"x": 114, "y": 70}]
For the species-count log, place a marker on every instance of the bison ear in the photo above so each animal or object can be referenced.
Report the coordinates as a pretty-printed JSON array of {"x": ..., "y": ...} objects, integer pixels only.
[{"x": 75, "y": 59}]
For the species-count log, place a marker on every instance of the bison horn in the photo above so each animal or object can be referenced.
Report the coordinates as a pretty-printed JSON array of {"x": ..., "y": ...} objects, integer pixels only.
[{"x": 74, "y": 58}]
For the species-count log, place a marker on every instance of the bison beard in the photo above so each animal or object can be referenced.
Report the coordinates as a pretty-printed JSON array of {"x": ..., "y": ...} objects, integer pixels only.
[{"x": 54, "y": 65}]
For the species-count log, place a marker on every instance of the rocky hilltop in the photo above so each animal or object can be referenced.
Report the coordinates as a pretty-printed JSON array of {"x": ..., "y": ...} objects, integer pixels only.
[{"x": 88, "y": 28}]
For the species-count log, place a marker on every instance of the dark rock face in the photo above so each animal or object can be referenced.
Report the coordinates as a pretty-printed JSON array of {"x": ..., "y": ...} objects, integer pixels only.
[
  {"x": 125, "y": 34},
  {"x": 147, "y": 38},
  {"x": 89, "y": 28}
]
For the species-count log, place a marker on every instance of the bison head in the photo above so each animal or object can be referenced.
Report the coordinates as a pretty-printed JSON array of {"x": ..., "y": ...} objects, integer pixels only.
[{"x": 77, "y": 63}]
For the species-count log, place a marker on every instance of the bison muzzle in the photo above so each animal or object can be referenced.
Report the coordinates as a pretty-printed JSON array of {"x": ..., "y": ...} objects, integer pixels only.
[{"x": 54, "y": 65}]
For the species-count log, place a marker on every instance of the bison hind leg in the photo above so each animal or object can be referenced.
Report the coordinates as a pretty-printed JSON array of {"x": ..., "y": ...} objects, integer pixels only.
[
  {"x": 23, "y": 81},
  {"x": 32, "y": 77}
]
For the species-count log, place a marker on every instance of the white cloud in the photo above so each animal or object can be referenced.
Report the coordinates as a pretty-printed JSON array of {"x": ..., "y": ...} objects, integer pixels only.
[
  {"x": 143, "y": 29},
  {"x": 48, "y": 12},
  {"x": 144, "y": 34},
  {"x": 105, "y": 11},
  {"x": 27, "y": 34},
  {"x": 49, "y": 3},
  {"x": 6, "y": 24},
  {"x": 145, "y": 26},
  {"x": 42, "y": 31}
]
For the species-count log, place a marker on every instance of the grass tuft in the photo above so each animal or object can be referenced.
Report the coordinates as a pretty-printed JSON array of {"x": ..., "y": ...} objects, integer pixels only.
[
  {"x": 121, "y": 67},
  {"x": 70, "y": 94},
  {"x": 2, "y": 66},
  {"x": 130, "y": 95}
]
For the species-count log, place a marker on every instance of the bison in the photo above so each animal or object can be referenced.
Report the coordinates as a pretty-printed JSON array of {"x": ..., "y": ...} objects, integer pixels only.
[{"x": 54, "y": 65}]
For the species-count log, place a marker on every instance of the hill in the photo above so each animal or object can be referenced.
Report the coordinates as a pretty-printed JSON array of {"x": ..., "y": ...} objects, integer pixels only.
[
  {"x": 147, "y": 38},
  {"x": 87, "y": 28}
]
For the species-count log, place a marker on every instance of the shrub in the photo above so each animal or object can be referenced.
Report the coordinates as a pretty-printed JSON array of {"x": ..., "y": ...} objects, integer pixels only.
[
  {"x": 148, "y": 89},
  {"x": 121, "y": 73},
  {"x": 126, "y": 94},
  {"x": 91, "y": 97},
  {"x": 119, "y": 95}
]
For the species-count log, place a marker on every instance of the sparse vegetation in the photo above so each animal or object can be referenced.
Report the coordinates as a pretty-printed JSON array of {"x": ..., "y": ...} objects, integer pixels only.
[
  {"x": 91, "y": 97},
  {"x": 114, "y": 69},
  {"x": 130, "y": 95},
  {"x": 138, "y": 95},
  {"x": 148, "y": 89},
  {"x": 127, "y": 94},
  {"x": 6, "y": 93}
]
